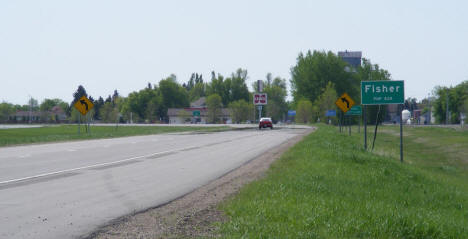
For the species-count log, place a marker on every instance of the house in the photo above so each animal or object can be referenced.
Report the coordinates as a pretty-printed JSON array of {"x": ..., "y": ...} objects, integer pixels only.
[
  {"x": 26, "y": 117},
  {"x": 55, "y": 115},
  {"x": 197, "y": 113}
]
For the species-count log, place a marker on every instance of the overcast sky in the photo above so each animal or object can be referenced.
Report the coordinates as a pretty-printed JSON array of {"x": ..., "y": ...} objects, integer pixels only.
[{"x": 48, "y": 48}]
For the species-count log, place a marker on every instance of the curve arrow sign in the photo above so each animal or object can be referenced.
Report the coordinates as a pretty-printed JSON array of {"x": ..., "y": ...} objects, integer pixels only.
[
  {"x": 345, "y": 100},
  {"x": 84, "y": 103}
]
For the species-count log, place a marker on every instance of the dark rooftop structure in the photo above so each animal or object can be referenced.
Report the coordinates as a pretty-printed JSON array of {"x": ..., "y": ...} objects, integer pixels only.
[{"x": 353, "y": 58}]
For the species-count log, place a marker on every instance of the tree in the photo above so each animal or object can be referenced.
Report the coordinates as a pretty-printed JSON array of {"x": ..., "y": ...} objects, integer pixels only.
[
  {"x": 153, "y": 107},
  {"x": 454, "y": 97},
  {"x": 304, "y": 111},
  {"x": 411, "y": 104},
  {"x": 241, "y": 111},
  {"x": 326, "y": 101},
  {"x": 173, "y": 94},
  {"x": 33, "y": 104},
  {"x": 214, "y": 105},
  {"x": 6, "y": 110},
  {"x": 115, "y": 96},
  {"x": 197, "y": 91},
  {"x": 48, "y": 104},
  {"x": 80, "y": 92},
  {"x": 276, "y": 93},
  {"x": 144, "y": 104},
  {"x": 313, "y": 71},
  {"x": 464, "y": 108},
  {"x": 98, "y": 104},
  {"x": 372, "y": 72},
  {"x": 108, "y": 99},
  {"x": 109, "y": 113},
  {"x": 238, "y": 88},
  {"x": 220, "y": 87}
]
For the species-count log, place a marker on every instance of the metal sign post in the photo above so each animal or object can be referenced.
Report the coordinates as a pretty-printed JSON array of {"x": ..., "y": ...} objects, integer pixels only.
[
  {"x": 260, "y": 99},
  {"x": 259, "y": 107},
  {"x": 365, "y": 126},
  {"x": 349, "y": 124},
  {"x": 83, "y": 105},
  {"x": 79, "y": 123},
  {"x": 355, "y": 110},
  {"x": 344, "y": 102},
  {"x": 383, "y": 93}
]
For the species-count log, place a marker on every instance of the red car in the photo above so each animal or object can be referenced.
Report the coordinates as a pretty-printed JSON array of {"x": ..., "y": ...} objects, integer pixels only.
[{"x": 265, "y": 122}]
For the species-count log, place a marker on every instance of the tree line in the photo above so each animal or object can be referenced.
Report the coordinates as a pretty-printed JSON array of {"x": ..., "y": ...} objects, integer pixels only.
[
  {"x": 451, "y": 102},
  {"x": 151, "y": 103},
  {"x": 317, "y": 79}
]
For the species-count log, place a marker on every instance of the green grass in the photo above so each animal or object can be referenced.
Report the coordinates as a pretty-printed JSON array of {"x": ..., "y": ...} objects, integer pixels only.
[
  {"x": 327, "y": 186},
  {"x": 10, "y": 137}
]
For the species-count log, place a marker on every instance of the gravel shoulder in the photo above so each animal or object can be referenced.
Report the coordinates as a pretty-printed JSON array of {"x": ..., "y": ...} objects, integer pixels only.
[{"x": 194, "y": 214}]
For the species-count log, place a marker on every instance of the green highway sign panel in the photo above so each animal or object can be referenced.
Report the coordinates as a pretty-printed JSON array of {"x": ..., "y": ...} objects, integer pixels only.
[
  {"x": 382, "y": 92},
  {"x": 196, "y": 113},
  {"x": 355, "y": 110}
]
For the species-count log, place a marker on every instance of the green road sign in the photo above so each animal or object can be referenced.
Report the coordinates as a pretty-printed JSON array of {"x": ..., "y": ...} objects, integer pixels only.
[
  {"x": 196, "y": 113},
  {"x": 355, "y": 110},
  {"x": 382, "y": 92}
]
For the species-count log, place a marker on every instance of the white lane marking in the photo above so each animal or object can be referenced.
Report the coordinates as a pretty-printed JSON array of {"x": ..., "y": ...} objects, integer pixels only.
[
  {"x": 92, "y": 166},
  {"x": 24, "y": 156},
  {"x": 71, "y": 150},
  {"x": 114, "y": 162}
]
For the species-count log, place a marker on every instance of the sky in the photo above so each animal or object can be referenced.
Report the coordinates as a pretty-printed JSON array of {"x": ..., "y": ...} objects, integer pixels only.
[{"x": 49, "y": 48}]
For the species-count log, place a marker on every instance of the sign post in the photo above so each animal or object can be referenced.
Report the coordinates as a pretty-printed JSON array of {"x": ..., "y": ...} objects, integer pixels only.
[
  {"x": 365, "y": 127},
  {"x": 383, "y": 93},
  {"x": 355, "y": 110},
  {"x": 83, "y": 105},
  {"x": 260, "y": 99},
  {"x": 344, "y": 102}
]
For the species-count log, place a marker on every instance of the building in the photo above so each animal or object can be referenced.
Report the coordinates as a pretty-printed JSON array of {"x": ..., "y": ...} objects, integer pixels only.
[
  {"x": 197, "y": 113},
  {"x": 353, "y": 58},
  {"x": 55, "y": 115}
]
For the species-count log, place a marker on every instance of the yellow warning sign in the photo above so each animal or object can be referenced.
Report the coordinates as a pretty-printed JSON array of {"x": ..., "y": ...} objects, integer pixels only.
[
  {"x": 83, "y": 105},
  {"x": 344, "y": 102}
]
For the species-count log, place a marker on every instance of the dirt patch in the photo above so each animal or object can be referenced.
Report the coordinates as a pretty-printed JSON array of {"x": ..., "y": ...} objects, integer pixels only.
[{"x": 194, "y": 214}]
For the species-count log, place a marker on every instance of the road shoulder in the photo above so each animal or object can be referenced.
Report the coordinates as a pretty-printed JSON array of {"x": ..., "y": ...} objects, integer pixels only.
[{"x": 193, "y": 214}]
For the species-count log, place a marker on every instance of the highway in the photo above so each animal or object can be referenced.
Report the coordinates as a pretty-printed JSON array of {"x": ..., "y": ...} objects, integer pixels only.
[{"x": 67, "y": 190}]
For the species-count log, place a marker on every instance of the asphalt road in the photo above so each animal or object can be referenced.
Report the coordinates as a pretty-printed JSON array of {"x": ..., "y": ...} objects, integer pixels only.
[{"x": 67, "y": 190}]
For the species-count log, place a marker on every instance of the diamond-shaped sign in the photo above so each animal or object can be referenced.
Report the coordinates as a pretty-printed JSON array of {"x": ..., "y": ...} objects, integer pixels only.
[
  {"x": 83, "y": 105},
  {"x": 344, "y": 102}
]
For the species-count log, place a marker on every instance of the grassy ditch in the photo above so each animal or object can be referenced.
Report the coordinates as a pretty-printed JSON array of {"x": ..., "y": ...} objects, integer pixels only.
[
  {"x": 327, "y": 186},
  {"x": 10, "y": 137}
]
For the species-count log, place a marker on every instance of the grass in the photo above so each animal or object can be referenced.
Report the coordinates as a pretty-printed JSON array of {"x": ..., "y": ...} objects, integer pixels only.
[
  {"x": 327, "y": 186},
  {"x": 9, "y": 137}
]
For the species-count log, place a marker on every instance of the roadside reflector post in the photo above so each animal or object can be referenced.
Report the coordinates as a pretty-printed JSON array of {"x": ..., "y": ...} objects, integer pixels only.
[{"x": 401, "y": 134}]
